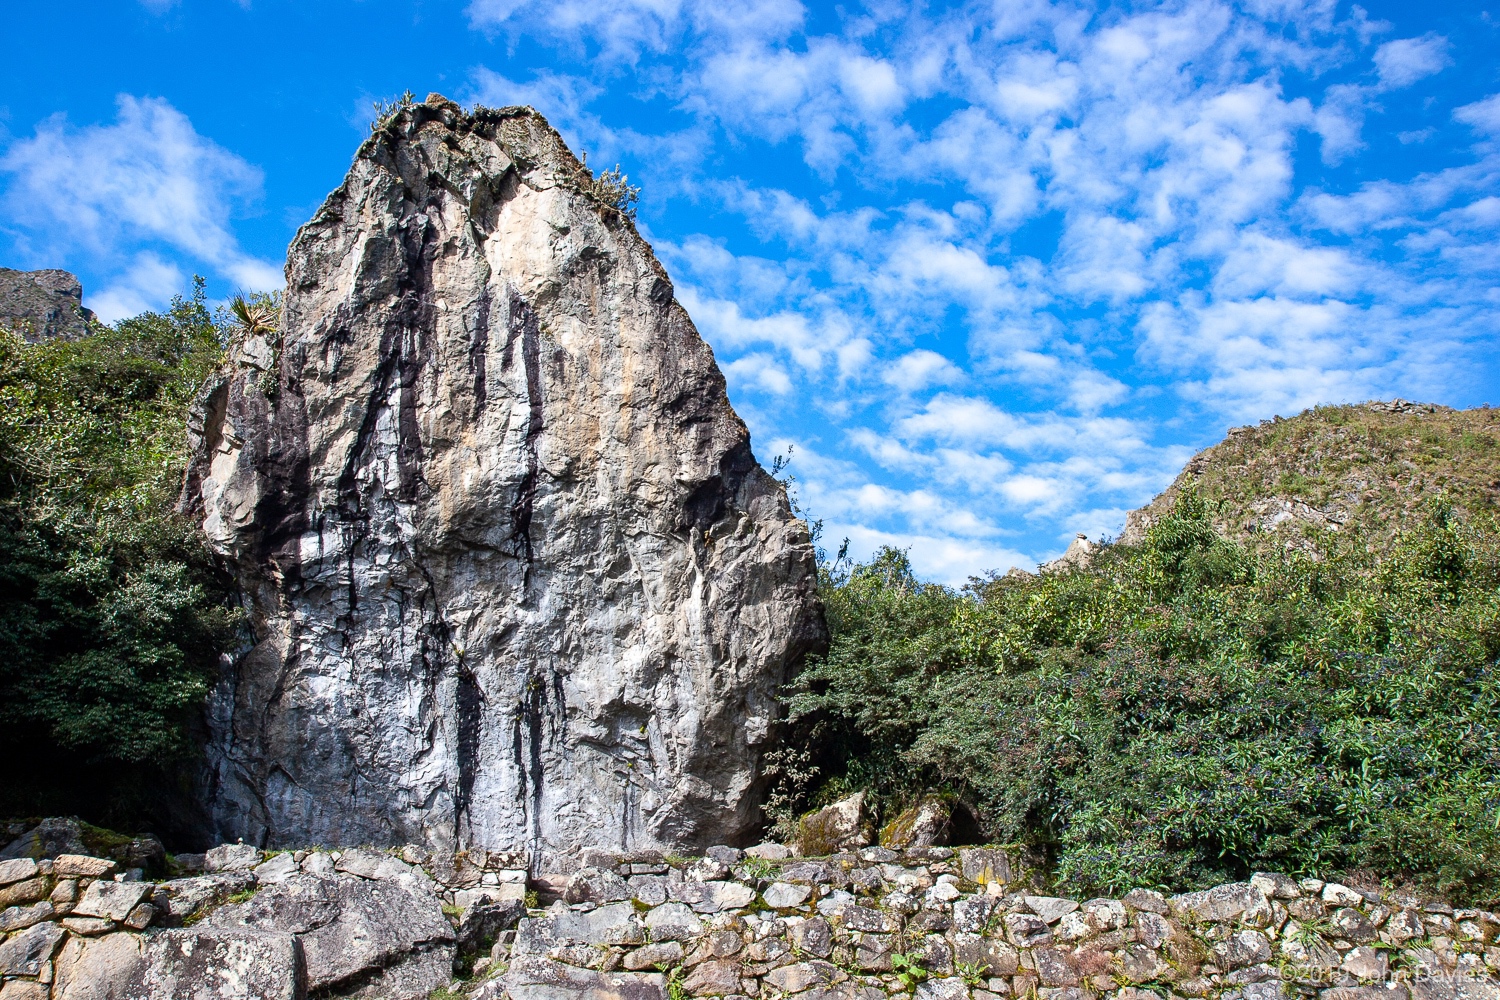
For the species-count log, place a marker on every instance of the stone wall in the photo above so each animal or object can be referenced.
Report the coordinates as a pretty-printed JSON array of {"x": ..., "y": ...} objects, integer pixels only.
[{"x": 939, "y": 923}]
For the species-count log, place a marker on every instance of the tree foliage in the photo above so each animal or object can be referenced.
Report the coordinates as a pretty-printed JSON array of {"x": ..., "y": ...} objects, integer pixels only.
[
  {"x": 111, "y": 616},
  {"x": 1186, "y": 711}
]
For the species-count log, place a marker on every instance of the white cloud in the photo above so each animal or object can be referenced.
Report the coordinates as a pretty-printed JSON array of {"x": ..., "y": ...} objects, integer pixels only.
[
  {"x": 920, "y": 369},
  {"x": 1482, "y": 116},
  {"x": 933, "y": 557},
  {"x": 1102, "y": 210},
  {"x": 1404, "y": 61},
  {"x": 150, "y": 177},
  {"x": 146, "y": 284},
  {"x": 760, "y": 370}
]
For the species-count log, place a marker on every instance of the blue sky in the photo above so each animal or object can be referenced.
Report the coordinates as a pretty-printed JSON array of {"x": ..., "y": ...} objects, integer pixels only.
[{"x": 994, "y": 271}]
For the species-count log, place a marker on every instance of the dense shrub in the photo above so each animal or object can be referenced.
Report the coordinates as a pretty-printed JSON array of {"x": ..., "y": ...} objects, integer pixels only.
[
  {"x": 111, "y": 617},
  {"x": 1185, "y": 711}
]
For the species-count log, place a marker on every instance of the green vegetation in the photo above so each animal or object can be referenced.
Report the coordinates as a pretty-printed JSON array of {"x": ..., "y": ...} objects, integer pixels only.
[
  {"x": 111, "y": 618},
  {"x": 1185, "y": 710},
  {"x": 1370, "y": 470}
]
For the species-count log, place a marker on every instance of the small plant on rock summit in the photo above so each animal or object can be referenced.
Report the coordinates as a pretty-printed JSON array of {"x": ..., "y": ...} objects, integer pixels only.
[{"x": 611, "y": 187}]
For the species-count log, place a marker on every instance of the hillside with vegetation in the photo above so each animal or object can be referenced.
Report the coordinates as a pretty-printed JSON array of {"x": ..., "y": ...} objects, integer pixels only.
[
  {"x": 1371, "y": 470},
  {"x": 1195, "y": 704},
  {"x": 112, "y": 617}
]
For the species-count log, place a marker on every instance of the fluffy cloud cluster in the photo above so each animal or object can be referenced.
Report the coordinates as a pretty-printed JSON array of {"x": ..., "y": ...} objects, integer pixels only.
[
  {"x": 1040, "y": 249},
  {"x": 991, "y": 270},
  {"x": 126, "y": 191}
]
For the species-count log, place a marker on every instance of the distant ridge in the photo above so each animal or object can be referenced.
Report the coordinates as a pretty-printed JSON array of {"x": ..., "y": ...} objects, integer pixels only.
[{"x": 1371, "y": 468}]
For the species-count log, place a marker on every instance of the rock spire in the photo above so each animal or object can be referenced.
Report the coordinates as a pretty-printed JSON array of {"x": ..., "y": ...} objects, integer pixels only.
[{"x": 515, "y": 578}]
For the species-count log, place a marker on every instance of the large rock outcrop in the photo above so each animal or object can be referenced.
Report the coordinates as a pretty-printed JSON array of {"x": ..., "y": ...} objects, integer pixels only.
[
  {"x": 514, "y": 575},
  {"x": 43, "y": 304}
]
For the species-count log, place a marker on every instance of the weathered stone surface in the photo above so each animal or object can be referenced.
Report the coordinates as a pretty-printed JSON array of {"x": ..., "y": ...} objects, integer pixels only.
[
  {"x": 23, "y": 954},
  {"x": 785, "y": 895},
  {"x": 800, "y": 976},
  {"x": 42, "y": 304},
  {"x": 88, "y": 926},
  {"x": 1027, "y": 931},
  {"x": 393, "y": 941},
  {"x": 596, "y": 885},
  {"x": 1235, "y": 901},
  {"x": 483, "y": 921},
  {"x": 991, "y": 956},
  {"x": 1276, "y": 886},
  {"x": 1152, "y": 930},
  {"x": 1404, "y": 926},
  {"x": 277, "y": 869},
  {"x": 114, "y": 900},
  {"x": 663, "y": 954},
  {"x": 516, "y": 576},
  {"x": 1110, "y": 914},
  {"x": 231, "y": 857},
  {"x": 1242, "y": 949},
  {"x": 15, "y": 918},
  {"x": 714, "y": 978},
  {"x": 928, "y": 822},
  {"x": 181, "y": 965},
  {"x": 23, "y": 893},
  {"x": 769, "y": 852},
  {"x": 83, "y": 866},
  {"x": 1050, "y": 908},
  {"x": 1148, "y": 900},
  {"x": 1365, "y": 963},
  {"x": 534, "y": 978},
  {"x": 1352, "y": 925},
  {"x": 942, "y": 989},
  {"x": 23, "y": 989},
  {"x": 182, "y": 898},
  {"x": 615, "y": 924},
  {"x": 372, "y": 864},
  {"x": 813, "y": 936},
  {"x": 985, "y": 865},
  {"x": 17, "y": 870},
  {"x": 1055, "y": 967},
  {"x": 836, "y": 827},
  {"x": 673, "y": 922},
  {"x": 1335, "y": 894}
]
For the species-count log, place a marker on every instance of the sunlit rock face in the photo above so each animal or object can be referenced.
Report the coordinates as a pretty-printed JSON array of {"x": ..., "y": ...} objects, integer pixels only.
[{"x": 515, "y": 579}]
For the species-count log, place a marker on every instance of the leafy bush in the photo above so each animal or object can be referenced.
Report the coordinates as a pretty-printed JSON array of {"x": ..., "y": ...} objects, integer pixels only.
[
  {"x": 111, "y": 617},
  {"x": 1185, "y": 711}
]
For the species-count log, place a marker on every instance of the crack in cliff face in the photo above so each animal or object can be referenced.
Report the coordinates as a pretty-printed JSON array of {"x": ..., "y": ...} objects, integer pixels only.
[
  {"x": 478, "y": 352},
  {"x": 523, "y": 326},
  {"x": 470, "y": 699}
]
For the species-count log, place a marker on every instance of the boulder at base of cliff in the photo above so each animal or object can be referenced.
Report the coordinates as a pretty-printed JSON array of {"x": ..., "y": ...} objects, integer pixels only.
[
  {"x": 929, "y": 823},
  {"x": 359, "y": 937},
  {"x": 836, "y": 827}
]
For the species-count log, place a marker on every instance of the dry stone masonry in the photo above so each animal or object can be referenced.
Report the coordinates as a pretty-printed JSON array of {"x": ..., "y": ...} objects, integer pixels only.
[
  {"x": 515, "y": 578},
  {"x": 934, "y": 923}
]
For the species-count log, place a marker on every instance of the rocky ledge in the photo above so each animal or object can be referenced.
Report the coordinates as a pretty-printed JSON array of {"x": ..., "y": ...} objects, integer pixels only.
[{"x": 937, "y": 922}]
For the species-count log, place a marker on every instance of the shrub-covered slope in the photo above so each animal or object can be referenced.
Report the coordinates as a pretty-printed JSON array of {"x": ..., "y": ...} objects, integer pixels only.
[
  {"x": 111, "y": 617},
  {"x": 1367, "y": 470},
  {"x": 1190, "y": 708}
]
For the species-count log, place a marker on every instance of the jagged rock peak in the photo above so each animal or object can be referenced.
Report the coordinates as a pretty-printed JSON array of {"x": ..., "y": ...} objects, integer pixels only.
[
  {"x": 40, "y": 305},
  {"x": 515, "y": 577}
]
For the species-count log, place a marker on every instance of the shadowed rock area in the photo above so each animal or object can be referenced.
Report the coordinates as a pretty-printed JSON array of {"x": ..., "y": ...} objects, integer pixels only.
[{"x": 515, "y": 578}]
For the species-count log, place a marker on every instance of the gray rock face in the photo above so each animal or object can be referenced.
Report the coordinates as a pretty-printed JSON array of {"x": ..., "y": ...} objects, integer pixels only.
[
  {"x": 42, "y": 304},
  {"x": 516, "y": 577},
  {"x": 181, "y": 965},
  {"x": 379, "y": 937}
]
